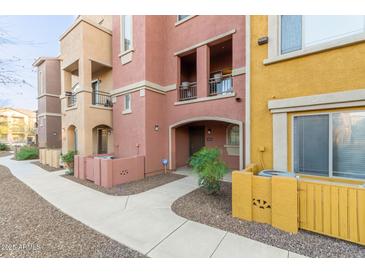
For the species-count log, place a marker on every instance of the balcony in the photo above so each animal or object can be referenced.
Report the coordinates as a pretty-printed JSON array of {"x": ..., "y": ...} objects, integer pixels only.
[
  {"x": 220, "y": 85},
  {"x": 187, "y": 91},
  {"x": 71, "y": 100},
  {"x": 100, "y": 98}
]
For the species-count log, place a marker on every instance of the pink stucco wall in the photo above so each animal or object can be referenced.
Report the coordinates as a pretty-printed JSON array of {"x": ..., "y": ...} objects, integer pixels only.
[{"x": 154, "y": 60}]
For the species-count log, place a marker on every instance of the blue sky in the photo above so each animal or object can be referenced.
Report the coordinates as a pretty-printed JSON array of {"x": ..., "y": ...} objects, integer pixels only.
[{"x": 37, "y": 36}]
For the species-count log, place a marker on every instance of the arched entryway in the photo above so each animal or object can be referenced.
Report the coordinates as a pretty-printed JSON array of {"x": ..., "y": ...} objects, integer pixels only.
[
  {"x": 188, "y": 136},
  {"x": 102, "y": 142},
  {"x": 72, "y": 138}
]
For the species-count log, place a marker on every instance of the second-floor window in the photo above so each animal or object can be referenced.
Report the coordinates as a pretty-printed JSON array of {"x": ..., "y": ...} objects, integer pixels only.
[
  {"x": 127, "y": 103},
  {"x": 300, "y": 32},
  {"x": 182, "y": 17},
  {"x": 126, "y": 32}
]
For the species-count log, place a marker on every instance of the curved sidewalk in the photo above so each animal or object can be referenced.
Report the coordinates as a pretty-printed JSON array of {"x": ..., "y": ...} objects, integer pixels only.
[{"x": 145, "y": 221}]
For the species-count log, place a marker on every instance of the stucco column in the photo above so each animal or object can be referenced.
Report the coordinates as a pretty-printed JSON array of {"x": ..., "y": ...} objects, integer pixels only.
[
  {"x": 65, "y": 81},
  {"x": 85, "y": 74},
  {"x": 202, "y": 70}
]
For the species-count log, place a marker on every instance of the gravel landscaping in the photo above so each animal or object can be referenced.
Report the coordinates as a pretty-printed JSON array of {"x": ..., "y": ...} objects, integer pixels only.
[
  {"x": 216, "y": 211},
  {"x": 131, "y": 188},
  {"x": 32, "y": 227},
  {"x": 5, "y": 153},
  {"x": 46, "y": 167}
]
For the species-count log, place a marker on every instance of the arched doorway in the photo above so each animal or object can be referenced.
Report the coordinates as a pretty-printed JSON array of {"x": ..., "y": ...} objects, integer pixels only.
[
  {"x": 72, "y": 138},
  {"x": 188, "y": 136},
  {"x": 101, "y": 139}
]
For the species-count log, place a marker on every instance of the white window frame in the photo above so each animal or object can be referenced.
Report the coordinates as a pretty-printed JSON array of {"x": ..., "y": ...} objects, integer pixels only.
[
  {"x": 179, "y": 22},
  {"x": 126, "y": 109},
  {"x": 274, "y": 45},
  {"x": 122, "y": 49},
  {"x": 330, "y": 143}
]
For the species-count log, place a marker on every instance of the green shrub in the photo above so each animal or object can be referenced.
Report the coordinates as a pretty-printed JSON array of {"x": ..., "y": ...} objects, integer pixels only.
[
  {"x": 27, "y": 153},
  {"x": 210, "y": 169},
  {"x": 68, "y": 159},
  {"x": 4, "y": 147}
]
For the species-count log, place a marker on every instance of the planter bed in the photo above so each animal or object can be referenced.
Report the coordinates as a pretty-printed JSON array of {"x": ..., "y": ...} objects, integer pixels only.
[
  {"x": 5, "y": 153},
  {"x": 131, "y": 188},
  {"x": 216, "y": 211},
  {"x": 32, "y": 227},
  {"x": 46, "y": 167}
]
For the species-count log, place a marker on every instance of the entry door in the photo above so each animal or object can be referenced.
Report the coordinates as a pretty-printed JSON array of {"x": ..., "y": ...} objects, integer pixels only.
[
  {"x": 196, "y": 139},
  {"x": 102, "y": 141}
]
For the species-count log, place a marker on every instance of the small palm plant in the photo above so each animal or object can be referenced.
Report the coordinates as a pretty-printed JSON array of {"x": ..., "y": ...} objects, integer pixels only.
[{"x": 210, "y": 169}]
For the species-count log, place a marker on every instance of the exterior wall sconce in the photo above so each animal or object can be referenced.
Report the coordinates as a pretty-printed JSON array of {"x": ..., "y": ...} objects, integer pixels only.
[
  {"x": 209, "y": 131},
  {"x": 157, "y": 127},
  {"x": 109, "y": 131},
  {"x": 263, "y": 40},
  {"x": 238, "y": 100}
]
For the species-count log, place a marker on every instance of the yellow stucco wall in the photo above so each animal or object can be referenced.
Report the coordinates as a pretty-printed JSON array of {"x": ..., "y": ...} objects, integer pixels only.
[{"x": 330, "y": 71}]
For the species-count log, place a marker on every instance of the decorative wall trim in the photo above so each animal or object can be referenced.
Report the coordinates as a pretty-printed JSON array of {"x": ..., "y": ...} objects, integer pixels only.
[
  {"x": 280, "y": 141},
  {"x": 204, "y": 99},
  {"x": 321, "y": 101},
  {"x": 248, "y": 90},
  {"x": 101, "y": 107},
  {"x": 220, "y": 36},
  {"x": 142, "y": 85},
  {"x": 238, "y": 71},
  {"x": 49, "y": 95},
  {"x": 49, "y": 114}
]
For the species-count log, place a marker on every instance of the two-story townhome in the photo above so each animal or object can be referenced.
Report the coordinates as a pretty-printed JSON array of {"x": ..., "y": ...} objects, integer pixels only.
[
  {"x": 86, "y": 82},
  {"x": 179, "y": 85},
  {"x": 307, "y": 95},
  {"x": 49, "y": 104}
]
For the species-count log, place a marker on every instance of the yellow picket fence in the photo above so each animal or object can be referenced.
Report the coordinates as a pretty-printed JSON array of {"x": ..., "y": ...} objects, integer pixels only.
[
  {"x": 333, "y": 209},
  {"x": 330, "y": 208}
]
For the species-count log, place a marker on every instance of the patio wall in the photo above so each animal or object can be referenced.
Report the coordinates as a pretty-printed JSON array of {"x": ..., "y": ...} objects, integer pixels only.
[
  {"x": 50, "y": 157},
  {"x": 287, "y": 203},
  {"x": 109, "y": 172}
]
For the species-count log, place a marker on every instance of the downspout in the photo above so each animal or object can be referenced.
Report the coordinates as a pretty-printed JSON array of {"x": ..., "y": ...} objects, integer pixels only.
[{"x": 248, "y": 92}]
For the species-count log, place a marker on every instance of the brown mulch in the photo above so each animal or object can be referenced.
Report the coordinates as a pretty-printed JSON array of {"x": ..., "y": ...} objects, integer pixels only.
[
  {"x": 216, "y": 211},
  {"x": 32, "y": 227},
  {"x": 131, "y": 188},
  {"x": 46, "y": 167}
]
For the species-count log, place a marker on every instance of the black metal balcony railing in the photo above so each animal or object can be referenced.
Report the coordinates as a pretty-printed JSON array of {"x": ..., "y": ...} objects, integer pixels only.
[
  {"x": 102, "y": 99},
  {"x": 71, "y": 100},
  {"x": 187, "y": 91},
  {"x": 220, "y": 85}
]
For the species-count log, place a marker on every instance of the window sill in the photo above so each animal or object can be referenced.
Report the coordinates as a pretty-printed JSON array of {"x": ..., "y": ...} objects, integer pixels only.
[
  {"x": 178, "y": 23},
  {"x": 128, "y": 111},
  {"x": 71, "y": 108},
  {"x": 342, "y": 42},
  {"x": 204, "y": 99},
  {"x": 101, "y": 107},
  {"x": 126, "y": 56}
]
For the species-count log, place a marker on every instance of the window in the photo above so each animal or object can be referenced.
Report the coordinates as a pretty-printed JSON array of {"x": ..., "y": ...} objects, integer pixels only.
[
  {"x": 182, "y": 17},
  {"x": 299, "y": 32},
  {"x": 233, "y": 135},
  {"x": 40, "y": 82},
  {"x": 127, "y": 103},
  {"x": 330, "y": 144},
  {"x": 126, "y": 34}
]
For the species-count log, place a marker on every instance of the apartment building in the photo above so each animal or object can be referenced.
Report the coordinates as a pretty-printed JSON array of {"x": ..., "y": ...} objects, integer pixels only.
[
  {"x": 130, "y": 91},
  {"x": 307, "y": 95},
  {"x": 179, "y": 89},
  {"x": 49, "y": 104},
  {"x": 17, "y": 126},
  {"x": 86, "y": 83}
]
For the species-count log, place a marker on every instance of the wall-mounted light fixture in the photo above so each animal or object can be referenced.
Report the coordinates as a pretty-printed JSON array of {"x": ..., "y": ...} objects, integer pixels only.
[
  {"x": 209, "y": 131},
  {"x": 157, "y": 127},
  {"x": 263, "y": 40}
]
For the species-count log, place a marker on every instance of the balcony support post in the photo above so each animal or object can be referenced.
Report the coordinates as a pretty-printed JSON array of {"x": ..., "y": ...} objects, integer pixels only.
[{"x": 202, "y": 70}]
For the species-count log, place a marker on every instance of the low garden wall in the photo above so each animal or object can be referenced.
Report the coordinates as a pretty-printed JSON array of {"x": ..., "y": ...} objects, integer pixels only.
[
  {"x": 50, "y": 157},
  {"x": 109, "y": 172},
  {"x": 288, "y": 203}
]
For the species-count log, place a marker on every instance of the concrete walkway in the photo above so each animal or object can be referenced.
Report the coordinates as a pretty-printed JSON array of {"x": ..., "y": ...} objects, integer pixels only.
[{"x": 144, "y": 222}]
